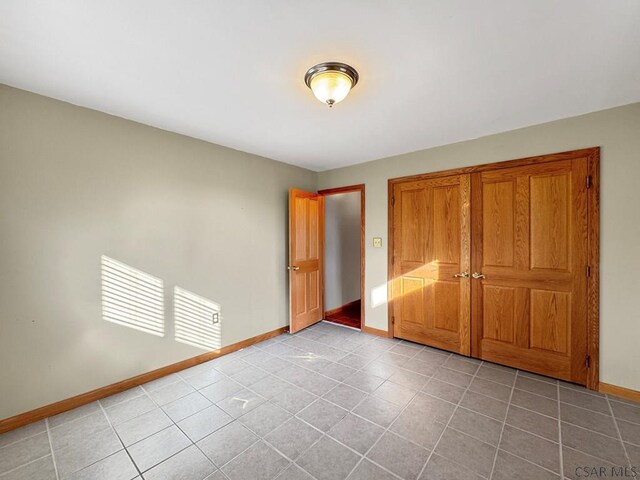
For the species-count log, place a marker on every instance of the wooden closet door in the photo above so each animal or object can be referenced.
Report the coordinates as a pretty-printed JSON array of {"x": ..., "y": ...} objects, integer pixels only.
[
  {"x": 530, "y": 242},
  {"x": 430, "y": 247}
]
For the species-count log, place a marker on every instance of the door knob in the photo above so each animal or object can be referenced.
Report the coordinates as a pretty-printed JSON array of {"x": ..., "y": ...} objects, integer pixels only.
[
  {"x": 294, "y": 268},
  {"x": 477, "y": 275},
  {"x": 462, "y": 275}
]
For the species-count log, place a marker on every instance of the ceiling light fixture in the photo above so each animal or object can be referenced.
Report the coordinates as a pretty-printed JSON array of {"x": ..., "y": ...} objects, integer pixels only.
[{"x": 331, "y": 82}]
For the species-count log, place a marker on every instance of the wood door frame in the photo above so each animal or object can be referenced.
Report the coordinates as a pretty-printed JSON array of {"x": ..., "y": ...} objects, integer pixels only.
[
  {"x": 593, "y": 219},
  {"x": 348, "y": 189}
]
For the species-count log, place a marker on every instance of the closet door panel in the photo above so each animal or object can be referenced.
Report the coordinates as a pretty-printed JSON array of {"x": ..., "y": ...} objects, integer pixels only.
[
  {"x": 530, "y": 246},
  {"x": 430, "y": 304}
]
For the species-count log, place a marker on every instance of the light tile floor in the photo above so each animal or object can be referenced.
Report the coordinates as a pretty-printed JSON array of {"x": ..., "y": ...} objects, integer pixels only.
[{"x": 332, "y": 403}]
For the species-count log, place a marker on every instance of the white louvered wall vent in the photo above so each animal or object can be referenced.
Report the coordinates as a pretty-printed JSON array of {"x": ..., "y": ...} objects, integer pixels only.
[
  {"x": 197, "y": 320},
  {"x": 131, "y": 297}
]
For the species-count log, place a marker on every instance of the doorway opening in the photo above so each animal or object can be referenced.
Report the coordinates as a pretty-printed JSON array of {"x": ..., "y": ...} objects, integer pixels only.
[{"x": 344, "y": 255}]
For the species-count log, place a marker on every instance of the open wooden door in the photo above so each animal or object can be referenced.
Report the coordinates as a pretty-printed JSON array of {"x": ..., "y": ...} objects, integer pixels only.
[
  {"x": 530, "y": 258},
  {"x": 306, "y": 249},
  {"x": 431, "y": 261}
]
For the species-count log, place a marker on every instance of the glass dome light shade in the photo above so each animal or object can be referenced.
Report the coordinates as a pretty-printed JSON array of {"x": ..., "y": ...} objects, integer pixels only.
[{"x": 330, "y": 87}]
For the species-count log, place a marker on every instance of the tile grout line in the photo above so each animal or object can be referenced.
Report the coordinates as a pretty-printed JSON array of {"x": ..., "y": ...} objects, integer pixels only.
[
  {"x": 93, "y": 462},
  {"x": 181, "y": 431},
  {"x": 561, "y": 454},
  {"x": 442, "y": 365},
  {"x": 293, "y": 461},
  {"x": 248, "y": 388},
  {"x": 367, "y": 395},
  {"x": 326, "y": 434},
  {"x": 596, "y": 433},
  {"x": 435, "y": 445},
  {"x": 53, "y": 457},
  {"x": 529, "y": 409},
  {"x": 386, "y": 430},
  {"x": 25, "y": 464},
  {"x": 99, "y": 431},
  {"x": 330, "y": 402},
  {"x": 381, "y": 348},
  {"x": 187, "y": 436},
  {"x": 615, "y": 422},
  {"x": 532, "y": 463},
  {"x": 104, "y": 412},
  {"x": 349, "y": 412},
  {"x": 21, "y": 439},
  {"x": 361, "y": 369},
  {"x": 504, "y": 422},
  {"x": 515, "y": 454},
  {"x": 219, "y": 467},
  {"x": 498, "y": 421},
  {"x": 575, "y": 449},
  {"x": 262, "y": 439}
]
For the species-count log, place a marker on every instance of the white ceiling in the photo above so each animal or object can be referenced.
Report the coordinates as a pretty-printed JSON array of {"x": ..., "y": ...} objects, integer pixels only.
[{"x": 231, "y": 72}]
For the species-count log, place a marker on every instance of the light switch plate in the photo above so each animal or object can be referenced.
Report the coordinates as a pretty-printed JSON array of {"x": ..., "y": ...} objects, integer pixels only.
[{"x": 377, "y": 242}]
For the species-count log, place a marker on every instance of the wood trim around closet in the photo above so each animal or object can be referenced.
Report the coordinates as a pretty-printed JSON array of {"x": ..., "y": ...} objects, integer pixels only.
[
  {"x": 593, "y": 213},
  {"x": 593, "y": 281},
  {"x": 348, "y": 189},
  {"x": 26, "y": 418}
]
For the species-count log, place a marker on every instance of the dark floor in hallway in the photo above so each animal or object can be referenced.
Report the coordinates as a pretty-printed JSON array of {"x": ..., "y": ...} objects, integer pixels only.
[{"x": 350, "y": 316}]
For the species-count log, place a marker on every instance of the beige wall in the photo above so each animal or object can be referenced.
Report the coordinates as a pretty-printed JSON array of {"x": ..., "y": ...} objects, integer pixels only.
[
  {"x": 76, "y": 184},
  {"x": 617, "y": 131},
  {"x": 341, "y": 249}
]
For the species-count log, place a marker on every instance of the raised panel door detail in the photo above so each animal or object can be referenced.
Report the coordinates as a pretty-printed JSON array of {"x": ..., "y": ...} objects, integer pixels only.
[
  {"x": 414, "y": 209},
  {"x": 314, "y": 290},
  {"x": 447, "y": 305},
  {"x": 550, "y": 222},
  {"x": 412, "y": 298},
  {"x": 550, "y": 319},
  {"x": 302, "y": 223},
  {"x": 499, "y": 313},
  {"x": 313, "y": 229},
  {"x": 498, "y": 223},
  {"x": 446, "y": 224},
  {"x": 300, "y": 292}
]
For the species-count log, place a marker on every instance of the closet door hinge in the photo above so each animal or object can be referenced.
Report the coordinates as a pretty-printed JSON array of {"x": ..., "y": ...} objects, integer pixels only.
[
  {"x": 393, "y": 200},
  {"x": 587, "y": 361},
  {"x": 588, "y": 270},
  {"x": 393, "y": 320},
  {"x": 589, "y": 181}
]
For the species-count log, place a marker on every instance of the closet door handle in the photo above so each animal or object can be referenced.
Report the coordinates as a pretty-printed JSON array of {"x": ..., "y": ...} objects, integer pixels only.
[
  {"x": 295, "y": 268},
  {"x": 461, "y": 275},
  {"x": 478, "y": 275}
]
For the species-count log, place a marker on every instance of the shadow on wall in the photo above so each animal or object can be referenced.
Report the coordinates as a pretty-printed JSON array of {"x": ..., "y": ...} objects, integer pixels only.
[{"x": 135, "y": 299}]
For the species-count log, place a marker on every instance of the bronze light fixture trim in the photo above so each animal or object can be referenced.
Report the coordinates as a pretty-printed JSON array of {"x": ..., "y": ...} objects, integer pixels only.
[{"x": 331, "y": 82}]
